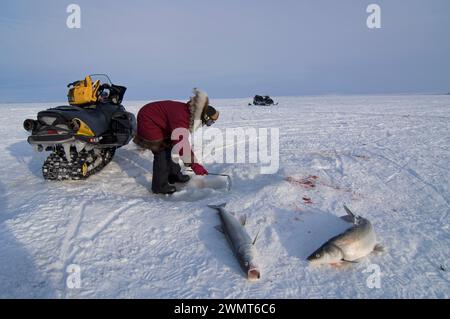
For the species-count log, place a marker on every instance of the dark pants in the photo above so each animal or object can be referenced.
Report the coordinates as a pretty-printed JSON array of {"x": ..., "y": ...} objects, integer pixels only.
[{"x": 163, "y": 167}]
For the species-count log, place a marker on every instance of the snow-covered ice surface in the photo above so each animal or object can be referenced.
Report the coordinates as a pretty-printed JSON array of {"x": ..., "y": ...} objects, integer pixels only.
[{"x": 388, "y": 158}]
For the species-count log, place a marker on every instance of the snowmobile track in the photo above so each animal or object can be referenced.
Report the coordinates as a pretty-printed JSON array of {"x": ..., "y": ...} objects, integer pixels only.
[{"x": 57, "y": 168}]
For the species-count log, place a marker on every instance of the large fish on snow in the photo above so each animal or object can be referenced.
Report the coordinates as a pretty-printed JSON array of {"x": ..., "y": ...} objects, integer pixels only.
[
  {"x": 241, "y": 243},
  {"x": 356, "y": 242}
]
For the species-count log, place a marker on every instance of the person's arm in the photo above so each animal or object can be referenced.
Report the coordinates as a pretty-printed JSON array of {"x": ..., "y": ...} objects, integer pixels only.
[
  {"x": 182, "y": 146},
  {"x": 191, "y": 161}
]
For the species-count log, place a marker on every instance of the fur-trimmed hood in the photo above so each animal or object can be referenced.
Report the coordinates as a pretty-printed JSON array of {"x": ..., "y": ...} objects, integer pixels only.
[{"x": 197, "y": 105}]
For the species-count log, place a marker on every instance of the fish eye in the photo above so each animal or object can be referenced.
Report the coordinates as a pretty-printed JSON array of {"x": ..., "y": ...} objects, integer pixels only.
[{"x": 317, "y": 255}]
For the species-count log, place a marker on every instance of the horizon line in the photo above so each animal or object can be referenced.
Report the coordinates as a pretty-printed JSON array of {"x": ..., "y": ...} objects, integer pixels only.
[{"x": 248, "y": 97}]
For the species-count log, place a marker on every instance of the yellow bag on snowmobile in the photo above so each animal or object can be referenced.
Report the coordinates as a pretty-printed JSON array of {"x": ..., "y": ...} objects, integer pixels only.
[{"x": 83, "y": 92}]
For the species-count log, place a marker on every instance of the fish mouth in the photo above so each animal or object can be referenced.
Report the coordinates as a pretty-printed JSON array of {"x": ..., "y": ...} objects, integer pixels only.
[
  {"x": 315, "y": 264},
  {"x": 313, "y": 261},
  {"x": 253, "y": 274}
]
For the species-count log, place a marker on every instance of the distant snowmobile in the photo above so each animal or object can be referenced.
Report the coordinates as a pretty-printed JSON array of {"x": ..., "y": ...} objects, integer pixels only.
[
  {"x": 84, "y": 135},
  {"x": 263, "y": 100}
]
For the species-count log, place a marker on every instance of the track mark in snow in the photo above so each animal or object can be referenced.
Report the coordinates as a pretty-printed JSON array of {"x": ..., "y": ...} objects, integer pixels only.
[
  {"x": 72, "y": 230},
  {"x": 107, "y": 221},
  {"x": 339, "y": 164},
  {"x": 391, "y": 177},
  {"x": 68, "y": 250},
  {"x": 414, "y": 174}
]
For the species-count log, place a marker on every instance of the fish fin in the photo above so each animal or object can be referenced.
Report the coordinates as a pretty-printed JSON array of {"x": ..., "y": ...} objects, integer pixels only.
[
  {"x": 256, "y": 237},
  {"x": 217, "y": 206},
  {"x": 348, "y": 219},
  {"x": 348, "y": 211},
  {"x": 378, "y": 248},
  {"x": 350, "y": 261},
  {"x": 243, "y": 220},
  {"x": 351, "y": 217},
  {"x": 220, "y": 228}
]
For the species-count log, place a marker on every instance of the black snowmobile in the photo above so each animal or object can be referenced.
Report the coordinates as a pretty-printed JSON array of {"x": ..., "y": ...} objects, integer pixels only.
[
  {"x": 263, "y": 100},
  {"x": 83, "y": 136}
]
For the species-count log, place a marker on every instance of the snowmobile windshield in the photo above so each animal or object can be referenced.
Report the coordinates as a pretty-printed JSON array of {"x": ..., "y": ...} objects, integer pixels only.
[
  {"x": 108, "y": 92},
  {"x": 103, "y": 78}
]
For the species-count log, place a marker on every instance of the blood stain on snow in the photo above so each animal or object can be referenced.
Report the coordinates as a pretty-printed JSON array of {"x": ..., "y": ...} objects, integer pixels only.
[{"x": 307, "y": 182}]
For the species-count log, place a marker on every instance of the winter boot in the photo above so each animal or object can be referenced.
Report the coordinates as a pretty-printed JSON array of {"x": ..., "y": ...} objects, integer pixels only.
[
  {"x": 175, "y": 175},
  {"x": 166, "y": 189},
  {"x": 179, "y": 178}
]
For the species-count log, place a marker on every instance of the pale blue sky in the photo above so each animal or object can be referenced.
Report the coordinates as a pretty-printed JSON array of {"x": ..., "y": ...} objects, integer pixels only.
[{"x": 230, "y": 48}]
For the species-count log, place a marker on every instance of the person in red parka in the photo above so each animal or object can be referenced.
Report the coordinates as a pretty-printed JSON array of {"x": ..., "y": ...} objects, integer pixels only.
[{"x": 155, "y": 123}]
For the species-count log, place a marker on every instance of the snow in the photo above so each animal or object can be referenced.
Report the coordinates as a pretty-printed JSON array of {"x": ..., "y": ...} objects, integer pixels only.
[{"x": 386, "y": 157}]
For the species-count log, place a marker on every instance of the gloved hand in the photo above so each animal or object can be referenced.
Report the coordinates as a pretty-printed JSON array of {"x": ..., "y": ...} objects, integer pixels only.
[{"x": 199, "y": 169}]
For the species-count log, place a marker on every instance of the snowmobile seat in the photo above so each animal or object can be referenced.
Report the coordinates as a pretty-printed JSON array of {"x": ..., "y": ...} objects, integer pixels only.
[{"x": 97, "y": 117}]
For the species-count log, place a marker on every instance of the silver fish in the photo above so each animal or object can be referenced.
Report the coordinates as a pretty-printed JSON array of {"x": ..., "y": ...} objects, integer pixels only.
[
  {"x": 356, "y": 242},
  {"x": 241, "y": 243}
]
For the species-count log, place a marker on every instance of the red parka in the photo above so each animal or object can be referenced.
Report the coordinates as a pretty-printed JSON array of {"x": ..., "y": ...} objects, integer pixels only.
[{"x": 157, "y": 120}]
